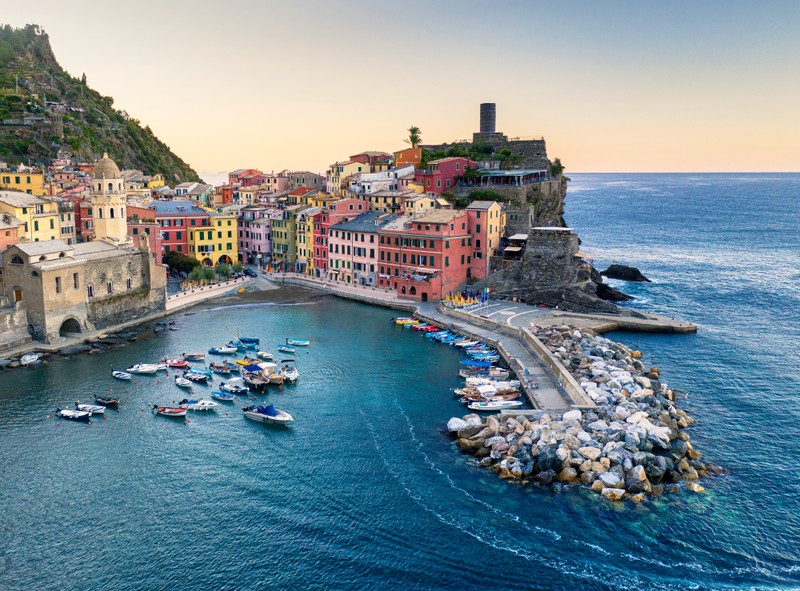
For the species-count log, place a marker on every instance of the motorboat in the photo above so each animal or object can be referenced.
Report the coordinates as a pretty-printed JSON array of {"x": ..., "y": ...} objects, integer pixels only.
[
  {"x": 289, "y": 371},
  {"x": 254, "y": 380},
  {"x": 73, "y": 415},
  {"x": 182, "y": 382},
  {"x": 120, "y": 375},
  {"x": 201, "y": 404},
  {"x": 92, "y": 409},
  {"x": 234, "y": 386},
  {"x": 494, "y": 405},
  {"x": 406, "y": 320},
  {"x": 222, "y": 350},
  {"x": 194, "y": 356},
  {"x": 200, "y": 371},
  {"x": 199, "y": 378},
  {"x": 29, "y": 358},
  {"x": 170, "y": 411},
  {"x": 143, "y": 368},
  {"x": 241, "y": 346},
  {"x": 499, "y": 386},
  {"x": 267, "y": 414},
  {"x": 177, "y": 363},
  {"x": 265, "y": 355},
  {"x": 221, "y": 368},
  {"x": 298, "y": 342},
  {"x": 223, "y": 396},
  {"x": 107, "y": 401},
  {"x": 254, "y": 340},
  {"x": 287, "y": 349}
]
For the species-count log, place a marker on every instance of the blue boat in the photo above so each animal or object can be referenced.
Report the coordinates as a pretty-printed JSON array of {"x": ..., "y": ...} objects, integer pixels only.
[
  {"x": 224, "y": 396},
  {"x": 287, "y": 349},
  {"x": 298, "y": 342},
  {"x": 254, "y": 340}
]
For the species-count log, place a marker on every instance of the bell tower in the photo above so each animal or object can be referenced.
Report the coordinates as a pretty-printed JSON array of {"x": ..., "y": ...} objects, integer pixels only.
[{"x": 109, "y": 200}]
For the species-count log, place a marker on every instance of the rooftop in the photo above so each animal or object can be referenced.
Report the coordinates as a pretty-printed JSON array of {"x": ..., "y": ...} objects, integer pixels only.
[
  {"x": 20, "y": 199},
  {"x": 481, "y": 204},
  {"x": 44, "y": 247},
  {"x": 369, "y": 221},
  {"x": 177, "y": 208},
  {"x": 439, "y": 216},
  {"x": 449, "y": 159}
]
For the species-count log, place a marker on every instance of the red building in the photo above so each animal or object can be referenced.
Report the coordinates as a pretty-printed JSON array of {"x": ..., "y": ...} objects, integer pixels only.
[
  {"x": 441, "y": 175},
  {"x": 332, "y": 213},
  {"x": 228, "y": 193},
  {"x": 237, "y": 175},
  {"x": 142, "y": 222},
  {"x": 427, "y": 256},
  {"x": 176, "y": 218}
]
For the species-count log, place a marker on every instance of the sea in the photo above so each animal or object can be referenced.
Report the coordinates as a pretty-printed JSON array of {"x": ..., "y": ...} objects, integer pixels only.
[{"x": 366, "y": 491}]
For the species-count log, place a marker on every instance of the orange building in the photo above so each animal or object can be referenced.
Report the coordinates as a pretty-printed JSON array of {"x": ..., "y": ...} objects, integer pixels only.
[{"x": 412, "y": 156}]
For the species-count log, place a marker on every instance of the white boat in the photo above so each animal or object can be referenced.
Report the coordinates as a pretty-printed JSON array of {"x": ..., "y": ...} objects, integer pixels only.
[
  {"x": 223, "y": 350},
  {"x": 495, "y": 405},
  {"x": 234, "y": 386},
  {"x": 298, "y": 342},
  {"x": 29, "y": 358},
  {"x": 182, "y": 382},
  {"x": 120, "y": 375},
  {"x": 290, "y": 373},
  {"x": 73, "y": 415},
  {"x": 264, "y": 355},
  {"x": 267, "y": 414},
  {"x": 143, "y": 368},
  {"x": 170, "y": 411},
  {"x": 92, "y": 409},
  {"x": 201, "y": 404}
]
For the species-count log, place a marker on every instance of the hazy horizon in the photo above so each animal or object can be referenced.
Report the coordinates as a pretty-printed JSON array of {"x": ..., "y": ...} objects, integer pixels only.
[{"x": 617, "y": 87}]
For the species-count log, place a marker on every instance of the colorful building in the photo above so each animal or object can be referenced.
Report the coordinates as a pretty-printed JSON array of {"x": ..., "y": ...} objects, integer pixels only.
[
  {"x": 234, "y": 178},
  {"x": 442, "y": 175},
  {"x": 305, "y": 240},
  {"x": 30, "y": 182},
  {"x": 176, "y": 219},
  {"x": 409, "y": 156},
  {"x": 305, "y": 178},
  {"x": 255, "y": 234},
  {"x": 40, "y": 217},
  {"x": 284, "y": 238},
  {"x": 487, "y": 226},
  {"x": 425, "y": 257},
  {"x": 339, "y": 172},
  {"x": 331, "y": 214},
  {"x": 217, "y": 242},
  {"x": 142, "y": 222},
  {"x": 353, "y": 248},
  {"x": 11, "y": 231}
]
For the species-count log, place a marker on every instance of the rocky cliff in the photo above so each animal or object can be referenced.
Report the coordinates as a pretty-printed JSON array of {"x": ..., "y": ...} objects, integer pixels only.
[{"x": 43, "y": 109}]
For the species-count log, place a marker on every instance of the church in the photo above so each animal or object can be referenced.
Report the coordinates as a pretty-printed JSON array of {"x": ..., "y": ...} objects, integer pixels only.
[{"x": 70, "y": 289}]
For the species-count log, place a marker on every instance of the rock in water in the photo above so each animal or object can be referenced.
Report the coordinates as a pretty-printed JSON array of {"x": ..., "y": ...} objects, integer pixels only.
[
  {"x": 624, "y": 273},
  {"x": 613, "y": 494},
  {"x": 455, "y": 424}
]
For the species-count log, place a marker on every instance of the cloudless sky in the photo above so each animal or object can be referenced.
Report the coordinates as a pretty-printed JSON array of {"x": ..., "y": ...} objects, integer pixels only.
[{"x": 612, "y": 86}]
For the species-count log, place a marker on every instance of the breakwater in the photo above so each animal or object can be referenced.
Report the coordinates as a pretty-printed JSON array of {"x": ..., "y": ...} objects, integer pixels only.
[{"x": 631, "y": 445}]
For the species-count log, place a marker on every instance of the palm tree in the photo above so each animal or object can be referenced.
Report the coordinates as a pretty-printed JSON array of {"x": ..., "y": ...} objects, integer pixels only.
[{"x": 414, "y": 137}]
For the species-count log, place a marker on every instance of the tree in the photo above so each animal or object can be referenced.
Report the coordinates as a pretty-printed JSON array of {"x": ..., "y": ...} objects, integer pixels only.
[
  {"x": 237, "y": 267},
  {"x": 414, "y": 137},
  {"x": 224, "y": 270},
  {"x": 555, "y": 168},
  {"x": 180, "y": 262}
]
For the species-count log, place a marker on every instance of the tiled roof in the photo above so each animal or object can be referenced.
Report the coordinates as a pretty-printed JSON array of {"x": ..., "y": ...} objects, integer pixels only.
[{"x": 370, "y": 221}]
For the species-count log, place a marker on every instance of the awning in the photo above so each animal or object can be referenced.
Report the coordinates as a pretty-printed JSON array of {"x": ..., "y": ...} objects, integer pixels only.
[
  {"x": 513, "y": 249},
  {"x": 252, "y": 368},
  {"x": 425, "y": 270}
]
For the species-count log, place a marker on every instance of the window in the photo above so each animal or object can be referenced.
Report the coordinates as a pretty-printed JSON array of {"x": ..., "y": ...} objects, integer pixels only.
[
  {"x": 446, "y": 261},
  {"x": 75, "y": 280},
  {"x": 90, "y": 290},
  {"x": 35, "y": 226},
  {"x": 58, "y": 284},
  {"x": 477, "y": 228},
  {"x": 52, "y": 226},
  {"x": 128, "y": 283},
  {"x": 110, "y": 287},
  {"x": 112, "y": 213},
  {"x": 17, "y": 260}
]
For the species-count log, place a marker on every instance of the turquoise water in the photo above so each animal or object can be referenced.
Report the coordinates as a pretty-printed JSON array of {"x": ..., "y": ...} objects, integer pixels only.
[{"x": 365, "y": 491}]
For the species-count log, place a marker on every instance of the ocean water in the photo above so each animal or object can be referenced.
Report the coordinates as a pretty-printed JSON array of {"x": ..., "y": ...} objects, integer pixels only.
[{"x": 365, "y": 491}]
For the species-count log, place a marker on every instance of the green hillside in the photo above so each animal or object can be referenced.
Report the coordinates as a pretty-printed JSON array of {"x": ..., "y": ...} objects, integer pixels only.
[{"x": 44, "y": 109}]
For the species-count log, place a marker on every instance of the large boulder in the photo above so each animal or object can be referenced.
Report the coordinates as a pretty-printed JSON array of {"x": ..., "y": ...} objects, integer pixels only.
[
  {"x": 548, "y": 459},
  {"x": 613, "y": 494},
  {"x": 455, "y": 425},
  {"x": 624, "y": 273}
]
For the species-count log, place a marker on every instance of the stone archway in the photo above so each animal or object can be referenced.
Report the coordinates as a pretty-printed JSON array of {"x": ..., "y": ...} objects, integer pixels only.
[
  {"x": 68, "y": 327},
  {"x": 225, "y": 259}
]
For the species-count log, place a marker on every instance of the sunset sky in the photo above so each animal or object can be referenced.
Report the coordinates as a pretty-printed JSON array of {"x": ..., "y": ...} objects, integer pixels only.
[{"x": 612, "y": 86}]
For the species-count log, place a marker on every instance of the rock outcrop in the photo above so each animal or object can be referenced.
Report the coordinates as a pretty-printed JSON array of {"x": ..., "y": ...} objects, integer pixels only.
[{"x": 624, "y": 273}]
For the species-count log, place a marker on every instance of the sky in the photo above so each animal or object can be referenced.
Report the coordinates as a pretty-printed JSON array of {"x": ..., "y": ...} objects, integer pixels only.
[{"x": 612, "y": 86}]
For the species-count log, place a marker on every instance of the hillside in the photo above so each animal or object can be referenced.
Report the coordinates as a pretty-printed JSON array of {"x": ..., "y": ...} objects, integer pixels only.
[{"x": 44, "y": 109}]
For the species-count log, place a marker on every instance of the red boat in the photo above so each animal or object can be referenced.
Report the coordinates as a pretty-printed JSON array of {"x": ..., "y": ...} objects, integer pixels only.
[
  {"x": 170, "y": 411},
  {"x": 178, "y": 363}
]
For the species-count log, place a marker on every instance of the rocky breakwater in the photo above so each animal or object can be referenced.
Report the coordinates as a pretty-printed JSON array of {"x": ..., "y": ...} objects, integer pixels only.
[{"x": 634, "y": 444}]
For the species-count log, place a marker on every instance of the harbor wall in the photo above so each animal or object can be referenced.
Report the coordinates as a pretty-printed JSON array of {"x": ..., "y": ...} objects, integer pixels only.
[{"x": 205, "y": 292}]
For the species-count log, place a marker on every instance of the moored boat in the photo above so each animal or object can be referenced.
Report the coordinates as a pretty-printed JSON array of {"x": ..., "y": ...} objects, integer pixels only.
[
  {"x": 289, "y": 371},
  {"x": 234, "y": 386},
  {"x": 120, "y": 375},
  {"x": 298, "y": 342},
  {"x": 73, "y": 415},
  {"x": 92, "y": 409},
  {"x": 143, "y": 369},
  {"x": 254, "y": 340},
  {"x": 194, "y": 356},
  {"x": 222, "y": 350},
  {"x": 29, "y": 358},
  {"x": 199, "y": 378},
  {"x": 265, "y": 355},
  {"x": 107, "y": 401},
  {"x": 170, "y": 411},
  {"x": 221, "y": 368},
  {"x": 201, "y": 404},
  {"x": 287, "y": 349},
  {"x": 182, "y": 382},
  {"x": 223, "y": 396},
  {"x": 494, "y": 405},
  {"x": 176, "y": 363},
  {"x": 267, "y": 414}
]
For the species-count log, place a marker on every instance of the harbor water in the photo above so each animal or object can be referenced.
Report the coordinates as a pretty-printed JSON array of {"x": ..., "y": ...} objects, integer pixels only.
[{"x": 366, "y": 491}]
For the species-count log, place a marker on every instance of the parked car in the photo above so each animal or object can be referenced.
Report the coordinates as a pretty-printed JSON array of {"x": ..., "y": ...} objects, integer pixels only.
[{"x": 250, "y": 273}]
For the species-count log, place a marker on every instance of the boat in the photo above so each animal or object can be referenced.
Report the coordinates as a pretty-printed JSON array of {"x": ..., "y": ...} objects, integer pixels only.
[
  {"x": 182, "y": 382},
  {"x": 73, "y": 415},
  {"x": 107, "y": 401},
  {"x": 255, "y": 381},
  {"x": 500, "y": 386},
  {"x": 143, "y": 368},
  {"x": 287, "y": 349},
  {"x": 92, "y": 409},
  {"x": 289, "y": 371},
  {"x": 494, "y": 405},
  {"x": 199, "y": 378},
  {"x": 222, "y": 350},
  {"x": 120, "y": 375},
  {"x": 170, "y": 411},
  {"x": 241, "y": 345},
  {"x": 204, "y": 371},
  {"x": 264, "y": 355},
  {"x": 406, "y": 320},
  {"x": 222, "y": 368},
  {"x": 223, "y": 396},
  {"x": 254, "y": 340},
  {"x": 194, "y": 356},
  {"x": 271, "y": 372},
  {"x": 234, "y": 386},
  {"x": 267, "y": 414},
  {"x": 201, "y": 404},
  {"x": 177, "y": 363},
  {"x": 29, "y": 358},
  {"x": 298, "y": 342}
]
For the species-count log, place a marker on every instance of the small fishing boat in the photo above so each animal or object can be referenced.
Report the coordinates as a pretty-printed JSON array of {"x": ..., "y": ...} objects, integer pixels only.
[
  {"x": 267, "y": 414},
  {"x": 241, "y": 346},
  {"x": 298, "y": 342},
  {"x": 92, "y": 409},
  {"x": 182, "y": 382},
  {"x": 201, "y": 404},
  {"x": 289, "y": 371},
  {"x": 107, "y": 401},
  {"x": 254, "y": 340},
  {"x": 143, "y": 368},
  {"x": 29, "y": 358},
  {"x": 120, "y": 375},
  {"x": 222, "y": 350},
  {"x": 221, "y": 368},
  {"x": 170, "y": 411},
  {"x": 264, "y": 355},
  {"x": 494, "y": 405},
  {"x": 406, "y": 320},
  {"x": 177, "y": 363},
  {"x": 287, "y": 349},
  {"x": 234, "y": 386},
  {"x": 200, "y": 371},
  {"x": 199, "y": 378},
  {"x": 255, "y": 381},
  {"x": 223, "y": 396},
  {"x": 194, "y": 356},
  {"x": 73, "y": 415}
]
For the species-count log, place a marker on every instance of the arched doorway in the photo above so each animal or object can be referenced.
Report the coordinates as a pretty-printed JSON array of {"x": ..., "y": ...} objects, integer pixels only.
[
  {"x": 207, "y": 262},
  {"x": 225, "y": 259},
  {"x": 68, "y": 327},
  {"x": 413, "y": 290}
]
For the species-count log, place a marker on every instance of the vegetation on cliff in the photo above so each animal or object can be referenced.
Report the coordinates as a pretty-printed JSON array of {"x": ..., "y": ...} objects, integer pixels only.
[{"x": 35, "y": 93}]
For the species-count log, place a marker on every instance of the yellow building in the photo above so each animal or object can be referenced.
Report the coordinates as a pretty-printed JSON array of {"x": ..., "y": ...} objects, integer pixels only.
[
  {"x": 217, "y": 242},
  {"x": 31, "y": 183},
  {"x": 305, "y": 240},
  {"x": 40, "y": 217},
  {"x": 155, "y": 181},
  {"x": 340, "y": 171},
  {"x": 320, "y": 199}
]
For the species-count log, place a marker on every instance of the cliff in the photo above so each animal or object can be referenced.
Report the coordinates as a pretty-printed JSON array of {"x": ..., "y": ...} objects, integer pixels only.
[{"x": 43, "y": 109}]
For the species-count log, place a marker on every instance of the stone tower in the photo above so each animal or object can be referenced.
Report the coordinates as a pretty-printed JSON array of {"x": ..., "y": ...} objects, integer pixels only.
[{"x": 109, "y": 199}]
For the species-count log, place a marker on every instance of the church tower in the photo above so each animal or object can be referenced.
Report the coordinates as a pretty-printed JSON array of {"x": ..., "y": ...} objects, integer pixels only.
[{"x": 108, "y": 198}]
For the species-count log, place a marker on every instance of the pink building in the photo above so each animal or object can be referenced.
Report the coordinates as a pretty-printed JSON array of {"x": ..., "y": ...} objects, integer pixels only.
[
  {"x": 10, "y": 230},
  {"x": 441, "y": 175},
  {"x": 255, "y": 234},
  {"x": 236, "y": 176},
  {"x": 332, "y": 213},
  {"x": 353, "y": 248}
]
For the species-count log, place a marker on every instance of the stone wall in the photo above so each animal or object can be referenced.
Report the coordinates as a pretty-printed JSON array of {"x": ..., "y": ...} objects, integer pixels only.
[
  {"x": 532, "y": 153},
  {"x": 13, "y": 326},
  {"x": 536, "y": 204}
]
